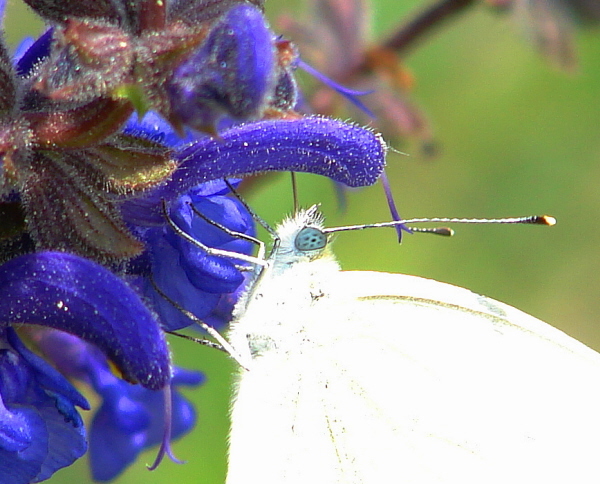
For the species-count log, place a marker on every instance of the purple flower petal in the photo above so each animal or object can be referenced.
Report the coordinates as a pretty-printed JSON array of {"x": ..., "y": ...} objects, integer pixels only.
[
  {"x": 343, "y": 152},
  {"x": 67, "y": 292},
  {"x": 186, "y": 273},
  {"x": 66, "y": 443},
  {"x": 40, "y": 430},
  {"x": 350, "y": 94},
  {"x": 232, "y": 73},
  {"x": 49, "y": 378},
  {"x": 131, "y": 419},
  {"x": 22, "y": 466},
  {"x": 29, "y": 55}
]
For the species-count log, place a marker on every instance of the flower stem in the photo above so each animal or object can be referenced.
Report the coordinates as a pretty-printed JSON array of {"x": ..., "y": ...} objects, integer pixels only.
[{"x": 430, "y": 18}]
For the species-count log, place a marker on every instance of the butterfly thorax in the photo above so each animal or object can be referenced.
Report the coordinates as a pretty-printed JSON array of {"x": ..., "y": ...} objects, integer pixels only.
[{"x": 275, "y": 311}]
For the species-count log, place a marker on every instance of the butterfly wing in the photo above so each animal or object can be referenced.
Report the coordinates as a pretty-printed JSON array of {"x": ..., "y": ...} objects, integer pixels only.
[{"x": 403, "y": 379}]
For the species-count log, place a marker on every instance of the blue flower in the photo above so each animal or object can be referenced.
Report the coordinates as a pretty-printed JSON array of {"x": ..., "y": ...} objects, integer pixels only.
[
  {"x": 72, "y": 294},
  {"x": 232, "y": 73},
  {"x": 66, "y": 292},
  {"x": 207, "y": 285},
  {"x": 346, "y": 153},
  {"x": 131, "y": 418},
  {"x": 40, "y": 430},
  {"x": 183, "y": 271},
  {"x": 203, "y": 284}
]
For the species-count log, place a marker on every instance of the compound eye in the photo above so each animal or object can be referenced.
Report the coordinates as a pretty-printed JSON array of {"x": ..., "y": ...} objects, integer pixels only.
[{"x": 310, "y": 238}]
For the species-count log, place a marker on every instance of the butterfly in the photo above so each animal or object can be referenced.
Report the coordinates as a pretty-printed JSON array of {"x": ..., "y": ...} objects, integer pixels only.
[{"x": 370, "y": 377}]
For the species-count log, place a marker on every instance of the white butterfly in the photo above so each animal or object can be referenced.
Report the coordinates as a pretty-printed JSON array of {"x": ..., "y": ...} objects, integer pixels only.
[{"x": 370, "y": 377}]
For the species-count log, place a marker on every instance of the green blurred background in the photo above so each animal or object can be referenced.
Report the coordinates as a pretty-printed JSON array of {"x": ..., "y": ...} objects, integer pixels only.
[{"x": 516, "y": 137}]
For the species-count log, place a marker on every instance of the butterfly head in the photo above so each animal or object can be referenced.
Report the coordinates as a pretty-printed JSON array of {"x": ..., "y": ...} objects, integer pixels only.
[{"x": 302, "y": 237}]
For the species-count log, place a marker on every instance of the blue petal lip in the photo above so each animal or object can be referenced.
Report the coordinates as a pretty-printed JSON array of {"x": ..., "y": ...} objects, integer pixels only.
[
  {"x": 343, "y": 152},
  {"x": 48, "y": 377},
  {"x": 72, "y": 294},
  {"x": 15, "y": 433},
  {"x": 40, "y": 429},
  {"x": 114, "y": 441}
]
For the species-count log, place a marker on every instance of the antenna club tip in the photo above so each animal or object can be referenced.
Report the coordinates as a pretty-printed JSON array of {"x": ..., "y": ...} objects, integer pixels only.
[
  {"x": 444, "y": 231},
  {"x": 547, "y": 220}
]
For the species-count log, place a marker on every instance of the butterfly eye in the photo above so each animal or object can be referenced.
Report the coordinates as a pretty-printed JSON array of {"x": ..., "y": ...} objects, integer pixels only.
[{"x": 310, "y": 238}]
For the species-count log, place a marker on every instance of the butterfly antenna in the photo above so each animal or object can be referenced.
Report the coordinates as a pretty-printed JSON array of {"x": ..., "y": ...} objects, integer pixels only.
[
  {"x": 443, "y": 231},
  {"x": 209, "y": 250},
  {"x": 221, "y": 344},
  {"x": 535, "y": 220}
]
